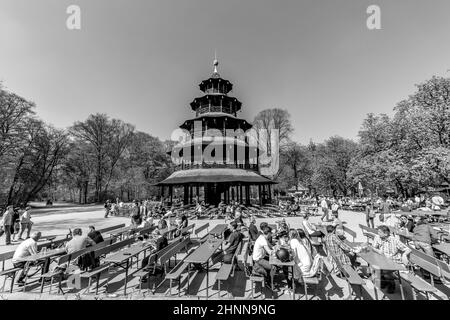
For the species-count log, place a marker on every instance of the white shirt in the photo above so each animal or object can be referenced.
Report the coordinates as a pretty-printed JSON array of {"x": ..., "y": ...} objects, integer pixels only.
[
  {"x": 324, "y": 204},
  {"x": 437, "y": 200},
  {"x": 308, "y": 227},
  {"x": 258, "y": 249},
  {"x": 26, "y": 217},
  {"x": 25, "y": 249},
  {"x": 302, "y": 258}
]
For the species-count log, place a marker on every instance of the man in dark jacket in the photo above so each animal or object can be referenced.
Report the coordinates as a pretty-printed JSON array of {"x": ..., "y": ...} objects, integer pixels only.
[
  {"x": 95, "y": 235},
  {"x": 423, "y": 236},
  {"x": 253, "y": 230}
]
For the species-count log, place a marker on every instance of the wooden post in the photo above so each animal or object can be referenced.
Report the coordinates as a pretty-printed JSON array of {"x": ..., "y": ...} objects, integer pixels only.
[
  {"x": 185, "y": 194},
  {"x": 259, "y": 195},
  {"x": 270, "y": 193}
]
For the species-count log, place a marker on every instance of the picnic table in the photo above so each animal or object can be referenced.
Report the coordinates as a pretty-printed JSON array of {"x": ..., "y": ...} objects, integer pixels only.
[
  {"x": 43, "y": 256},
  {"x": 202, "y": 255},
  {"x": 119, "y": 232},
  {"x": 218, "y": 230},
  {"x": 275, "y": 262},
  {"x": 403, "y": 234},
  {"x": 169, "y": 232},
  {"x": 443, "y": 247},
  {"x": 380, "y": 263},
  {"x": 123, "y": 257}
]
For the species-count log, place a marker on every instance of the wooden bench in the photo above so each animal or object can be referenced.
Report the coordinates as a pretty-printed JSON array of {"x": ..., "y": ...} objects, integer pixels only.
[
  {"x": 187, "y": 230},
  {"x": 150, "y": 268},
  {"x": 248, "y": 266},
  {"x": 8, "y": 273},
  {"x": 95, "y": 273},
  {"x": 178, "y": 270},
  {"x": 227, "y": 269},
  {"x": 60, "y": 262},
  {"x": 103, "y": 230},
  {"x": 199, "y": 230},
  {"x": 99, "y": 252},
  {"x": 70, "y": 258},
  {"x": 427, "y": 263},
  {"x": 351, "y": 276},
  {"x": 350, "y": 232},
  {"x": 369, "y": 233},
  {"x": 353, "y": 279}
]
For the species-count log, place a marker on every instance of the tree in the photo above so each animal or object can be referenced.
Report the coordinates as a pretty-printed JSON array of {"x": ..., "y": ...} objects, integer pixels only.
[{"x": 108, "y": 140}]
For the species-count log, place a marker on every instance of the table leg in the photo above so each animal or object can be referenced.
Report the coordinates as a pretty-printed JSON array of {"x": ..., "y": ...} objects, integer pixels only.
[
  {"x": 375, "y": 283},
  {"x": 188, "y": 278},
  {"x": 126, "y": 278},
  {"x": 400, "y": 284},
  {"x": 272, "y": 274},
  {"x": 207, "y": 279},
  {"x": 293, "y": 284}
]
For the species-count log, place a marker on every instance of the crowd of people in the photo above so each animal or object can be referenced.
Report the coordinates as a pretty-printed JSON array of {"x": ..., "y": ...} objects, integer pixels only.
[{"x": 14, "y": 223}]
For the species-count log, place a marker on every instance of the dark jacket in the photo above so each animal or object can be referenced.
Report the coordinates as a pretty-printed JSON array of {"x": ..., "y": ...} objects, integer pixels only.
[
  {"x": 96, "y": 236},
  {"x": 423, "y": 233}
]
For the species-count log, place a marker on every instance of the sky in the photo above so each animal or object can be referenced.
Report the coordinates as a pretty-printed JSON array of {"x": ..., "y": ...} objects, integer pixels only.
[{"x": 142, "y": 60}]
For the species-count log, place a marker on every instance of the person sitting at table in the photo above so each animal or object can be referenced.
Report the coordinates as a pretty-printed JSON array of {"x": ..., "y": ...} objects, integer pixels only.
[
  {"x": 238, "y": 218},
  {"x": 283, "y": 242},
  {"x": 252, "y": 229},
  {"x": 305, "y": 241},
  {"x": 391, "y": 247},
  {"x": 406, "y": 223},
  {"x": 424, "y": 235},
  {"x": 181, "y": 222},
  {"x": 261, "y": 252},
  {"x": 25, "y": 249},
  {"x": 309, "y": 228},
  {"x": 78, "y": 241},
  {"x": 263, "y": 225},
  {"x": 338, "y": 249},
  {"x": 304, "y": 266},
  {"x": 161, "y": 228},
  {"x": 231, "y": 244},
  {"x": 147, "y": 222},
  {"x": 161, "y": 243},
  {"x": 95, "y": 235}
]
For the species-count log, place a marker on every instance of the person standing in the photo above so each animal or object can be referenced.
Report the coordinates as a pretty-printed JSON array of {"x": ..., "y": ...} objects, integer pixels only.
[
  {"x": 25, "y": 223},
  {"x": 385, "y": 209},
  {"x": 107, "y": 208},
  {"x": 370, "y": 215},
  {"x": 324, "y": 206},
  {"x": 15, "y": 228},
  {"x": 7, "y": 223},
  {"x": 335, "y": 209}
]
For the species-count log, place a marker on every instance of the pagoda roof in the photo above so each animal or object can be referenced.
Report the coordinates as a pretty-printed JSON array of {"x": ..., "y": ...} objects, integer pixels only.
[
  {"x": 216, "y": 115},
  {"x": 215, "y": 78},
  {"x": 215, "y": 176},
  {"x": 207, "y": 97}
]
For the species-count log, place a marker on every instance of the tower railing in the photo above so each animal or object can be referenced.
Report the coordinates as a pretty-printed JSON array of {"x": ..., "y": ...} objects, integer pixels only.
[{"x": 204, "y": 165}]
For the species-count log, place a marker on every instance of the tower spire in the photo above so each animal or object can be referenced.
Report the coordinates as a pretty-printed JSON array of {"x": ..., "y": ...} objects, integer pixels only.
[{"x": 216, "y": 62}]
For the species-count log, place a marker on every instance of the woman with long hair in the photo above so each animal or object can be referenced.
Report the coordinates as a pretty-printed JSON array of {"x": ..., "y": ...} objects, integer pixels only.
[{"x": 305, "y": 265}]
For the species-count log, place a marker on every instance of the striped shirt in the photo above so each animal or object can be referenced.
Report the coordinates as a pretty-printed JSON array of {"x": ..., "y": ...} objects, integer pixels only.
[{"x": 391, "y": 247}]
